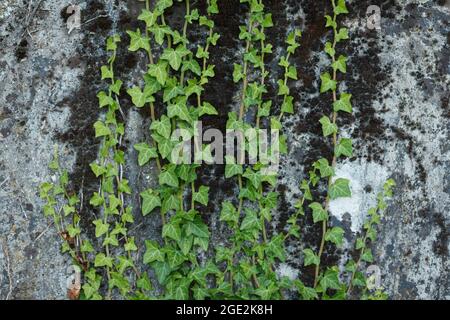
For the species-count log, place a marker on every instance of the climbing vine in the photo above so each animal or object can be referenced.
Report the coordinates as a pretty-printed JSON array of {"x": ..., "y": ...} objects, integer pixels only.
[{"x": 171, "y": 94}]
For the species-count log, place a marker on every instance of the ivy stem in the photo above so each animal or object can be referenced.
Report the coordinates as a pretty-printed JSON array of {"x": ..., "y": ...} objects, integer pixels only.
[
  {"x": 188, "y": 12},
  {"x": 242, "y": 105},
  {"x": 288, "y": 56},
  {"x": 333, "y": 162},
  {"x": 361, "y": 253},
  {"x": 150, "y": 58}
]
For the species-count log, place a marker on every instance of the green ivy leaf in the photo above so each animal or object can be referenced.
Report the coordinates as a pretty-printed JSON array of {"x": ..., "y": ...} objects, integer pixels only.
[
  {"x": 100, "y": 227},
  {"x": 106, "y": 72},
  {"x": 162, "y": 5},
  {"x": 86, "y": 246},
  {"x": 367, "y": 256},
  {"x": 175, "y": 56},
  {"x": 193, "y": 66},
  {"x": 340, "y": 189},
  {"x": 162, "y": 270},
  {"x": 327, "y": 83},
  {"x": 341, "y": 7},
  {"x": 324, "y": 167},
  {"x": 253, "y": 177},
  {"x": 328, "y": 128},
  {"x": 97, "y": 170},
  {"x": 330, "y": 280},
  {"x": 330, "y": 49},
  {"x": 101, "y": 129},
  {"x": 342, "y": 34},
  {"x": 335, "y": 235},
  {"x": 145, "y": 153},
  {"x": 319, "y": 213},
  {"x": 96, "y": 200},
  {"x": 202, "y": 195},
  {"x": 197, "y": 228},
  {"x": 343, "y": 104},
  {"x": 144, "y": 283},
  {"x": 310, "y": 258},
  {"x": 171, "y": 230},
  {"x": 101, "y": 260},
  {"x": 208, "y": 109},
  {"x": 153, "y": 252},
  {"x": 344, "y": 147},
  {"x": 340, "y": 64},
  {"x": 179, "y": 110},
  {"x": 138, "y": 97},
  {"x": 150, "y": 201},
  {"x": 130, "y": 245},
  {"x": 162, "y": 127},
  {"x": 232, "y": 169},
  {"x": 250, "y": 221},
  {"x": 238, "y": 73},
  {"x": 138, "y": 41},
  {"x": 229, "y": 213},
  {"x": 288, "y": 106},
  {"x": 104, "y": 99},
  {"x": 149, "y": 17},
  {"x": 169, "y": 177},
  {"x": 159, "y": 71}
]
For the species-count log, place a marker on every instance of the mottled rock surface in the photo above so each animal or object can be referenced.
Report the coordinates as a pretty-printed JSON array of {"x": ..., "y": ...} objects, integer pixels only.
[{"x": 399, "y": 77}]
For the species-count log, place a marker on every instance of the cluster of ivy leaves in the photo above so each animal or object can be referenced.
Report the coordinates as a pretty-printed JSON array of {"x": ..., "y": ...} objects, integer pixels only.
[
  {"x": 177, "y": 77},
  {"x": 252, "y": 253},
  {"x": 243, "y": 268}
]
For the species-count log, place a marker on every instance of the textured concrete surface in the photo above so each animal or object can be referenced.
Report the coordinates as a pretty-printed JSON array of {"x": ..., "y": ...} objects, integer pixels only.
[{"x": 399, "y": 77}]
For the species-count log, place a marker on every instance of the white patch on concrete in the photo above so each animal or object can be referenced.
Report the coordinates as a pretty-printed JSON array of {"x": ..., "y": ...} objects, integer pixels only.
[
  {"x": 360, "y": 175},
  {"x": 284, "y": 270}
]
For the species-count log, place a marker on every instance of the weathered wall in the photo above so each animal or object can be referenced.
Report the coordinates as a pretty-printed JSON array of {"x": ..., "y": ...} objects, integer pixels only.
[{"x": 399, "y": 77}]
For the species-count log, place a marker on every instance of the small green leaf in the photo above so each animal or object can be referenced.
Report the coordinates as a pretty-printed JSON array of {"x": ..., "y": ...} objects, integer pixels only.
[
  {"x": 145, "y": 153},
  {"x": 340, "y": 189},
  {"x": 335, "y": 235},
  {"x": 153, "y": 252},
  {"x": 162, "y": 127},
  {"x": 159, "y": 71},
  {"x": 138, "y": 41},
  {"x": 149, "y": 17},
  {"x": 344, "y": 147},
  {"x": 171, "y": 230},
  {"x": 168, "y": 177},
  {"x": 341, "y": 7},
  {"x": 229, "y": 213},
  {"x": 343, "y": 104},
  {"x": 238, "y": 73},
  {"x": 328, "y": 128},
  {"x": 202, "y": 195},
  {"x": 86, "y": 246},
  {"x": 250, "y": 221},
  {"x": 208, "y": 109},
  {"x": 319, "y": 213},
  {"x": 327, "y": 83},
  {"x": 330, "y": 280},
  {"x": 106, "y": 72},
  {"x": 342, "y": 34},
  {"x": 367, "y": 256},
  {"x": 101, "y": 129},
  {"x": 340, "y": 64},
  {"x": 150, "y": 201},
  {"x": 100, "y": 227},
  {"x": 138, "y": 97},
  {"x": 310, "y": 258},
  {"x": 174, "y": 56},
  {"x": 101, "y": 260},
  {"x": 288, "y": 106}
]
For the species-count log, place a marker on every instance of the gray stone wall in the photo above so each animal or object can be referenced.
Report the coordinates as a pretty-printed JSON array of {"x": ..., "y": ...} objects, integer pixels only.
[{"x": 399, "y": 77}]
